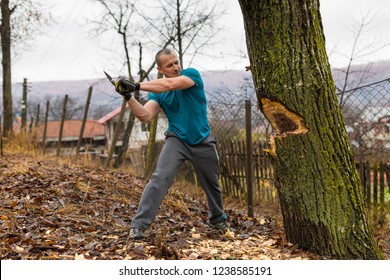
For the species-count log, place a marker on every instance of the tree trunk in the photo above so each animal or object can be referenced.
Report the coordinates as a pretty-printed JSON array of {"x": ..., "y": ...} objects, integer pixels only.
[
  {"x": 151, "y": 149},
  {"x": 6, "y": 63},
  {"x": 319, "y": 189},
  {"x": 126, "y": 138},
  {"x": 130, "y": 122},
  {"x": 179, "y": 32}
]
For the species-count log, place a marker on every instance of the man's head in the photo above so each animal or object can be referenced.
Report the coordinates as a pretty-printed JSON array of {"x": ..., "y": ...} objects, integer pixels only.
[{"x": 167, "y": 63}]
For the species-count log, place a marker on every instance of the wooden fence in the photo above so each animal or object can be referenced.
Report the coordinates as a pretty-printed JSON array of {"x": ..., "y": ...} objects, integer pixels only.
[
  {"x": 376, "y": 187},
  {"x": 375, "y": 177},
  {"x": 233, "y": 170}
]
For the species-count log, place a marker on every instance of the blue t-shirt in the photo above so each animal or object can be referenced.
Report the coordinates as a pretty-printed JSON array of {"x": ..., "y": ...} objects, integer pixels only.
[{"x": 186, "y": 109}]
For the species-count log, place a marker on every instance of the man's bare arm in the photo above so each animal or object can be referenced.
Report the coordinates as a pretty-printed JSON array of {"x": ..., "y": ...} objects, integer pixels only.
[
  {"x": 167, "y": 84},
  {"x": 148, "y": 111},
  {"x": 144, "y": 112}
]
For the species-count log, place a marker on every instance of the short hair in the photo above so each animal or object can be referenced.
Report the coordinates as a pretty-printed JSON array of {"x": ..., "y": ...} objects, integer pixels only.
[{"x": 161, "y": 52}]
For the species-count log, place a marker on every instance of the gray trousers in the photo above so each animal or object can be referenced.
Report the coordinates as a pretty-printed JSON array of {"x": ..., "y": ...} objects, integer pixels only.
[{"x": 204, "y": 158}]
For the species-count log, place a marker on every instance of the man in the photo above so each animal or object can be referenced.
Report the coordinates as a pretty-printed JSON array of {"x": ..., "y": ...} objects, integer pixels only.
[{"x": 181, "y": 96}]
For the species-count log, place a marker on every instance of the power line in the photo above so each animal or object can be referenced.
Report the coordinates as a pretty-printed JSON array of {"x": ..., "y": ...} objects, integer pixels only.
[
  {"x": 74, "y": 58},
  {"x": 43, "y": 61}
]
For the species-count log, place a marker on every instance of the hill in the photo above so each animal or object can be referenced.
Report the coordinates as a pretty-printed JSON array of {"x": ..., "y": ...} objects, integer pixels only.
[
  {"x": 231, "y": 79},
  {"x": 228, "y": 86}
]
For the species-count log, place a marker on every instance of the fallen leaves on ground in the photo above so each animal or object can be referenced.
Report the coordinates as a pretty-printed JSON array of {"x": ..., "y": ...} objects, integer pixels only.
[{"x": 56, "y": 209}]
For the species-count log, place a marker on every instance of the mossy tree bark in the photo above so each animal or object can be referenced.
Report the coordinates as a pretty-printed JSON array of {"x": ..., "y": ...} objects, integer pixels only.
[{"x": 319, "y": 189}]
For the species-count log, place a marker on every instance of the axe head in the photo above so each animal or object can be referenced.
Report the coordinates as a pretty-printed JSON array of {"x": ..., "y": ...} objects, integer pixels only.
[{"x": 109, "y": 78}]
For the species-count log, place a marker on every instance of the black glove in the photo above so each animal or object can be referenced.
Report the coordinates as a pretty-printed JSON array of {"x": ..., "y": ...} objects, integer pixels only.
[{"x": 125, "y": 87}]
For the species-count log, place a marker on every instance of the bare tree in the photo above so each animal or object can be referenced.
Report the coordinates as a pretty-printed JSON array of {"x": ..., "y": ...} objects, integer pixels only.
[
  {"x": 116, "y": 16},
  {"x": 351, "y": 80},
  {"x": 354, "y": 75},
  {"x": 119, "y": 16},
  {"x": 20, "y": 22},
  {"x": 191, "y": 24},
  {"x": 131, "y": 22},
  {"x": 6, "y": 64},
  {"x": 73, "y": 111}
]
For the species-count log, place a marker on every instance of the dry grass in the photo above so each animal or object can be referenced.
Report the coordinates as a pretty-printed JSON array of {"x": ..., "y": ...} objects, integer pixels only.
[{"x": 22, "y": 142}]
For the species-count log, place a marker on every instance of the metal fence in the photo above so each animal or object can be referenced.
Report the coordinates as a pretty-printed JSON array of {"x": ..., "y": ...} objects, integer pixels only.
[
  {"x": 366, "y": 112},
  {"x": 372, "y": 161}
]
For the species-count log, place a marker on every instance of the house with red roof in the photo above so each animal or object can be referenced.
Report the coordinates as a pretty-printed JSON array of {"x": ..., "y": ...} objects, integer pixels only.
[
  {"x": 140, "y": 133},
  {"x": 93, "y": 136}
]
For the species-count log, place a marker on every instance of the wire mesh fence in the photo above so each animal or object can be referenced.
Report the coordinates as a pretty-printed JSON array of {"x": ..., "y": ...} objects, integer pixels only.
[
  {"x": 227, "y": 121},
  {"x": 366, "y": 112}
]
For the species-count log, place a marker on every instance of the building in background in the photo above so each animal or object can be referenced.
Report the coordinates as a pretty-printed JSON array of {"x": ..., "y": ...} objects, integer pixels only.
[{"x": 93, "y": 137}]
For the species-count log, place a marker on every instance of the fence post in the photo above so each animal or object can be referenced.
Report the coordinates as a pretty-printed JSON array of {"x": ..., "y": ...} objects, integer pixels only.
[
  {"x": 367, "y": 183},
  {"x": 30, "y": 127},
  {"x": 387, "y": 170},
  {"x": 116, "y": 133},
  {"x": 37, "y": 116},
  {"x": 249, "y": 153},
  {"x": 45, "y": 126},
  {"x": 79, "y": 142},
  {"x": 24, "y": 104},
  {"x": 382, "y": 215},
  {"x": 375, "y": 193},
  {"x": 62, "y": 125}
]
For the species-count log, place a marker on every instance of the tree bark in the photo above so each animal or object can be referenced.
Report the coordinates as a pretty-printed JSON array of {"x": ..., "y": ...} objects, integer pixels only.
[
  {"x": 151, "y": 149},
  {"x": 130, "y": 122},
  {"x": 179, "y": 32},
  {"x": 6, "y": 64},
  {"x": 319, "y": 190}
]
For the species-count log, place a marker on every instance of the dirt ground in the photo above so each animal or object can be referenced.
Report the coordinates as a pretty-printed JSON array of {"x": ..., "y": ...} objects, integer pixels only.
[{"x": 54, "y": 208}]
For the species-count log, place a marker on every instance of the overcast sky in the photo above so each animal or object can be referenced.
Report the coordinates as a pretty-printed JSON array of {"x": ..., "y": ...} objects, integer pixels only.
[{"x": 66, "y": 52}]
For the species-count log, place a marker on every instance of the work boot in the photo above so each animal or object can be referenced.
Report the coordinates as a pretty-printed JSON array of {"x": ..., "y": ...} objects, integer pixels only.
[
  {"x": 136, "y": 234},
  {"x": 223, "y": 227}
]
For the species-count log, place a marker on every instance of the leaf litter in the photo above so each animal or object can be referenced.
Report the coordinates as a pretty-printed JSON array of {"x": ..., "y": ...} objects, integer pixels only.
[{"x": 55, "y": 209}]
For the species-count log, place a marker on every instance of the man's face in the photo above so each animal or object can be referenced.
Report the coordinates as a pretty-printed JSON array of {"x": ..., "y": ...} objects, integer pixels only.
[{"x": 170, "y": 65}]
